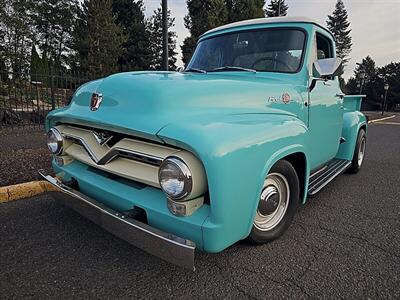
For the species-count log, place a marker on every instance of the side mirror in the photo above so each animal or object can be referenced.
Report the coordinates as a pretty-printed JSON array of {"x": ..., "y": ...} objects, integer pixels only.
[{"x": 328, "y": 67}]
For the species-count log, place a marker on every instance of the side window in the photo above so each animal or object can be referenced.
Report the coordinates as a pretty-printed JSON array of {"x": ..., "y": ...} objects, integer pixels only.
[{"x": 324, "y": 47}]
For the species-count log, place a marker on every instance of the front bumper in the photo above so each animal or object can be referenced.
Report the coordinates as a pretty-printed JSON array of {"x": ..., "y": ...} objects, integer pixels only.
[{"x": 171, "y": 248}]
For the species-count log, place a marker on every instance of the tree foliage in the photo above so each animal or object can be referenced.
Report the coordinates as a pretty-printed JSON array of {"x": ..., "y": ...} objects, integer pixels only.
[
  {"x": 16, "y": 35},
  {"x": 98, "y": 39},
  {"x": 339, "y": 25},
  {"x": 364, "y": 73},
  {"x": 156, "y": 38},
  {"x": 53, "y": 21},
  {"x": 245, "y": 9},
  {"x": 202, "y": 15},
  {"x": 136, "y": 53},
  {"x": 277, "y": 8},
  {"x": 36, "y": 65},
  {"x": 373, "y": 80}
]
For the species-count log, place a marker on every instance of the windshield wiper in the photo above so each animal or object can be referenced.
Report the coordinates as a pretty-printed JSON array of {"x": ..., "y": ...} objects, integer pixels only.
[
  {"x": 196, "y": 70},
  {"x": 232, "y": 68}
]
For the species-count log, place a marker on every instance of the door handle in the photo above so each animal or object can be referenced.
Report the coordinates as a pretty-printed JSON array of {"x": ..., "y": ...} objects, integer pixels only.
[{"x": 340, "y": 95}]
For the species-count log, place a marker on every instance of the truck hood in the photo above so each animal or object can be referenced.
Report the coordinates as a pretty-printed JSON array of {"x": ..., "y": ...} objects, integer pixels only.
[{"x": 145, "y": 102}]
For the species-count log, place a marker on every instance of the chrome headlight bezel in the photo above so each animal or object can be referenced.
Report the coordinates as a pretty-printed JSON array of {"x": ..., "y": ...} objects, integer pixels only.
[
  {"x": 57, "y": 142},
  {"x": 184, "y": 174}
]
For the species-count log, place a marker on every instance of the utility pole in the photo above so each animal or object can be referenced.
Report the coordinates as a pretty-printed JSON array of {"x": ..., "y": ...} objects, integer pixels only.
[
  {"x": 279, "y": 8},
  {"x": 165, "y": 34}
]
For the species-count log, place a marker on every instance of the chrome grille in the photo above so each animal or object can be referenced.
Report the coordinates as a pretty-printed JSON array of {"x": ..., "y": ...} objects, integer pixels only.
[{"x": 130, "y": 158}]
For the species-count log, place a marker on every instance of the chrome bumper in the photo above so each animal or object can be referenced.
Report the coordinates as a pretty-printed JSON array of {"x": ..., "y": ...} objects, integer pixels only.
[{"x": 164, "y": 245}]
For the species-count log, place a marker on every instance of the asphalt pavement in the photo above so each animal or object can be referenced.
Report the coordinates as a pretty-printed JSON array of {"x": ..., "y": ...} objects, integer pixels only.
[{"x": 344, "y": 243}]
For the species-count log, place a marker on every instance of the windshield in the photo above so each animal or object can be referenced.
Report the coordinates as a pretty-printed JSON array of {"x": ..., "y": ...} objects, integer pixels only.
[{"x": 264, "y": 50}]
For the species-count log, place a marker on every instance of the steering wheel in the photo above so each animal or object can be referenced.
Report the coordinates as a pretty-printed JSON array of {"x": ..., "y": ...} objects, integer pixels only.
[{"x": 272, "y": 59}]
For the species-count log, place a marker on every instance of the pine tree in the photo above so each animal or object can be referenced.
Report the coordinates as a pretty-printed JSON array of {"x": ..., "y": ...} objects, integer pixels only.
[
  {"x": 389, "y": 74},
  {"x": 136, "y": 54},
  {"x": 156, "y": 37},
  {"x": 366, "y": 69},
  {"x": 98, "y": 39},
  {"x": 277, "y": 8},
  {"x": 36, "y": 65},
  {"x": 3, "y": 67},
  {"x": 339, "y": 25},
  {"x": 245, "y": 9},
  {"x": 363, "y": 80},
  {"x": 202, "y": 15}
]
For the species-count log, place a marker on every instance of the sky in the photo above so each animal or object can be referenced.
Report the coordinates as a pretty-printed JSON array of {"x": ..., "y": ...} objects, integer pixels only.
[{"x": 375, "y": 25}]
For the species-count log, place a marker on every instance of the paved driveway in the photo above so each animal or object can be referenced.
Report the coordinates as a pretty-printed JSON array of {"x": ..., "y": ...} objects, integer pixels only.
[{"x": 344, "y": 243}]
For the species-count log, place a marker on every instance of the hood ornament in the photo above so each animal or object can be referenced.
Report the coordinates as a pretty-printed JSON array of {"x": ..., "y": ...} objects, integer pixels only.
[
  {"x": 102, "y": 137},
  {"x": 95, "y": 101}
]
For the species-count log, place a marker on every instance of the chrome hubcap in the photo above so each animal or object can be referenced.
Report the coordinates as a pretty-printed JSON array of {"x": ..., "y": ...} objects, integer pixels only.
[
  {"x": 273, "y": 203},
  {"x": 361, "y": 152}
]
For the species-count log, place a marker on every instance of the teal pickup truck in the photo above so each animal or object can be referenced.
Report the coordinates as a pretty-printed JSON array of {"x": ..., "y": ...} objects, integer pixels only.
[{"x": 224, "y": 150}]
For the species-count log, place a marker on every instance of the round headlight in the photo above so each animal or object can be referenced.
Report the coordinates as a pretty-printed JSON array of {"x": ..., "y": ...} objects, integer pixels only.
[
  {"x": 175, "y": 178},
  {"x": 54, "y": 141}
]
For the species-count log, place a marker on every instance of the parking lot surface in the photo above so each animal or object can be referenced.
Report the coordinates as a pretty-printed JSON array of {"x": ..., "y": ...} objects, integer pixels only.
[{"x": 344, "y": 243}]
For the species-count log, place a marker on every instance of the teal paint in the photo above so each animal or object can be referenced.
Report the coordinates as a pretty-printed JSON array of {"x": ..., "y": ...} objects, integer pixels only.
[{"x": 230, "y": 121}]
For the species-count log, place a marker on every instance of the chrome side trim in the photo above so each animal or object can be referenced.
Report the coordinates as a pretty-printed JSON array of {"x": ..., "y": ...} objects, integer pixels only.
[
  {"x": 130, "y": 154},
  {"x": 166, "y": 246},
  {"x": 116, "y": 152}
]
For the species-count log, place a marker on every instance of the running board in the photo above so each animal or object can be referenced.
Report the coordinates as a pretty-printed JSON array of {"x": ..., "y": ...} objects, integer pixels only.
[{"x": 322, "y": 177}]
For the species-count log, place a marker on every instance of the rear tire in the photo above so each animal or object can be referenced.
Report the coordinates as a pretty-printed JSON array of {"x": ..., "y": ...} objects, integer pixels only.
[
  {"x": 278, "y": 203},
  {"x": 359, "y": 152}
]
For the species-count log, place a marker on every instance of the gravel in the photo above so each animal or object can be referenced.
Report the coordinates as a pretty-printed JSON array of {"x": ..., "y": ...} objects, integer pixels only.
[{"x": 22, "y": 153}]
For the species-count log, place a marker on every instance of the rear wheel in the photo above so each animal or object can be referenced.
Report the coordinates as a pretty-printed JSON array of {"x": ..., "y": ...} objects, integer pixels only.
[
  {"x": 278, "y": 202},
  {"x": 359, "y": 152}
]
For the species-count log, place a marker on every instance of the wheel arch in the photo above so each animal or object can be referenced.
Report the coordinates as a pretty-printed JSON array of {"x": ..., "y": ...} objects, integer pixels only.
[
  {"x": 297, "y": 156},
  {"x": 299, "y": 162},
  {"x": 364, "y": 127}
]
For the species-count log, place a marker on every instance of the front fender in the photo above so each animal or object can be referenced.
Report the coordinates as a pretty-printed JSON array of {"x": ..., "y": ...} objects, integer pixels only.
[{"x": 237, "y": 152}]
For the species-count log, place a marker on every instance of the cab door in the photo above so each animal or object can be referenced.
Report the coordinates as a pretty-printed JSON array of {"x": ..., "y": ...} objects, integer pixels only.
[{"x": 325, "y": 109}]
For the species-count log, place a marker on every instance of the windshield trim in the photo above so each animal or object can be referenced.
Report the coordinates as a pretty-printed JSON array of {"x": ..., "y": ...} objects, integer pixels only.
[{"x": 266, "y": 29}]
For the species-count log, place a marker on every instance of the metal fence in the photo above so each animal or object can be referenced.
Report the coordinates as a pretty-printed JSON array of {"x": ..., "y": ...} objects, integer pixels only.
[{"x": 25, "y": 99}]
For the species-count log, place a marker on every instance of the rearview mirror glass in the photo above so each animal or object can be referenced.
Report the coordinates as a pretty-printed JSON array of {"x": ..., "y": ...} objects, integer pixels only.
[{"x": 328, "y": 67}]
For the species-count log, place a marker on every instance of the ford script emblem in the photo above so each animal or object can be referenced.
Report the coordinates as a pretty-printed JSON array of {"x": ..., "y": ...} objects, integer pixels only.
[
  {"x": 96, "y": 101},
  {"x": 285, "y": 98}
]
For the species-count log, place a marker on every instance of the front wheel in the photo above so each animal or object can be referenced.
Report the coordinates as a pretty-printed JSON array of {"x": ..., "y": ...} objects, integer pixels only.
[
  {"x": 359, "y": 152},
  {"x": 278, "y": 202}
]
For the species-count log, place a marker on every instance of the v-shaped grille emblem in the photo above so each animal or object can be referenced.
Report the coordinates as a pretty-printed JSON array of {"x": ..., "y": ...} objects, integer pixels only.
[
  {"x": 102, "y": 137},
  {"x": 110, "y": 154}
]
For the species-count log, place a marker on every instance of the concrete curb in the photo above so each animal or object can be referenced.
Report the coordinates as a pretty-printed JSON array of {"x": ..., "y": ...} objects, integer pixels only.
[
  {"x": 24, "y": 190},
  {"x": 381, "y": 119}
]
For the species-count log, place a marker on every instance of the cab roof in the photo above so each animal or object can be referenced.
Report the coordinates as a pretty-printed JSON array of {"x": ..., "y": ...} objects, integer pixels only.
[{"x": 270, "y": 20}]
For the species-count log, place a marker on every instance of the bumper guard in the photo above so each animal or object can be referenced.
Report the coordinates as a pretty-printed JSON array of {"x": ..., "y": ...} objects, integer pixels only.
[{"x": 166, "y": 246}]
